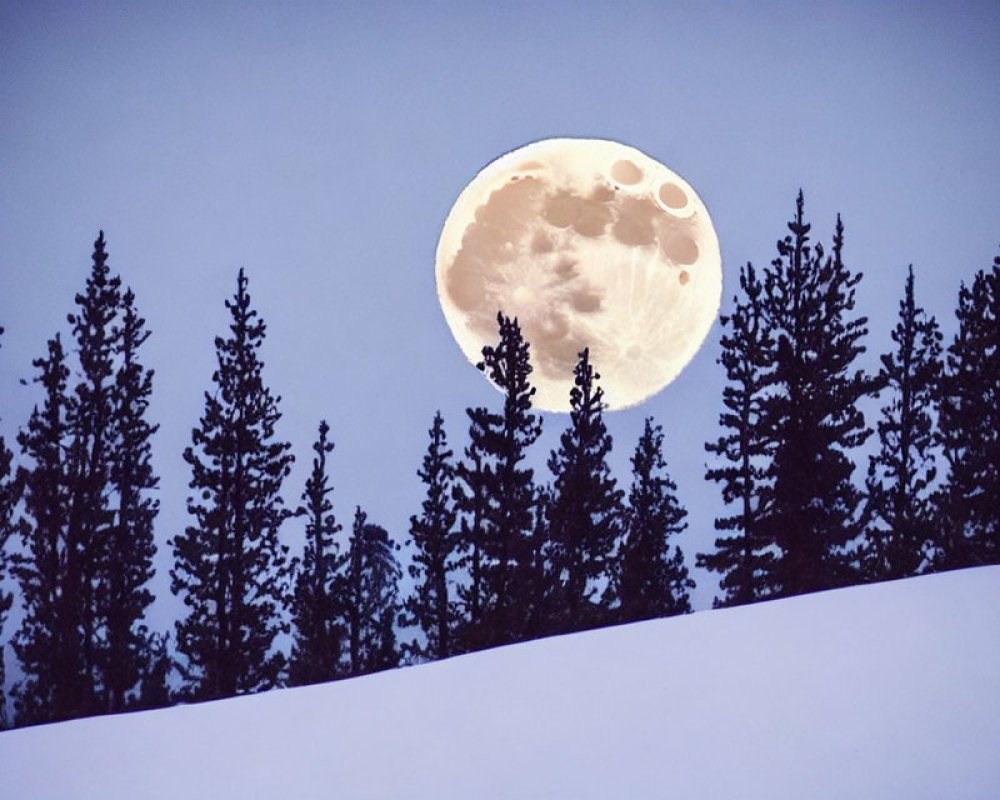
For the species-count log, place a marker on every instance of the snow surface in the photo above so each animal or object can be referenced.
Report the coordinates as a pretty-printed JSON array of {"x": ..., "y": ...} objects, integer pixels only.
[{"x": 889, "y": 690}]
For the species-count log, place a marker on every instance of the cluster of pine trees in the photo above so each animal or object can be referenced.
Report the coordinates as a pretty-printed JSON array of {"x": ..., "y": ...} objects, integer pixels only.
[
  {"x": 497, "y": 554},
  {"x": 794, "y": 430}
]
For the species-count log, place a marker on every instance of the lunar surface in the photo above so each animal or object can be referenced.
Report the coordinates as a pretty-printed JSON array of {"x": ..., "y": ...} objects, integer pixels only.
[{"x": 589, "y": 243}]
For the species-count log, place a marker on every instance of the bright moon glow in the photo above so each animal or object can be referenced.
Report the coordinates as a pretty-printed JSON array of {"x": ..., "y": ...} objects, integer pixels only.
[{"x": 589, "y": 243}]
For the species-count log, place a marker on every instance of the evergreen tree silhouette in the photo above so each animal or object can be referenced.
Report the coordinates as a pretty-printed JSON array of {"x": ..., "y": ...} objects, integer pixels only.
[
  {"x": 653, "y": 581},
  {"x": 745, "y": 557},
  {"x": 431, "y": 605},
  {"x": 319, "y": 636},
  {"x": 813, "y": 418},
  {"x": 126, "y": 557},
  {"x": 48, "y": 643},
  {"x": 495, "y": 495},
  {"x": 10, "y": 493},
  {"x": 230, "y": 567},
  {"x": 371, "y": 598},
  {"x": 585, "y": 511},
  {"x": 87, "y": 539},
  {"x": 901, "y": 473},
  {"x": 970, "y": 429}
]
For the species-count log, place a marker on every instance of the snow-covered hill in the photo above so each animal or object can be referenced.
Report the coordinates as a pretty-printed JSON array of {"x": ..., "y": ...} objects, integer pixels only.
[{"x": 891, "y": 690}]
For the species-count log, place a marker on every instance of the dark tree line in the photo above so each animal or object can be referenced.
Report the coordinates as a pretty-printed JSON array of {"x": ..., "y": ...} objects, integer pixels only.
[
  {"x": 499, "y": 554},
  {"x": 794, "y": 430}
]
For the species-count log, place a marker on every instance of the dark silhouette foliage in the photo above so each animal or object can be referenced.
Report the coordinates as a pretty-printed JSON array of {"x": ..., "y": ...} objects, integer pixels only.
[
  {"x": 746, "y": 556},
  {"x": 901, "y": 474},
  {"x": 495, "y": 495},
  {"x": 813, "y": 417},
  {"x": 87, "y": 536},
  {"x": 969, "y": 429},
  {"x": 319, "y": 635},
  {"x": 584, "y": 512},
  {"x": 653, "y": 581},
  {"x": 371, "y": 600},
  {"x": 10, "y": 492},
  {"x": 432, "y": 605},
  {"x": 230, "y": 567}
]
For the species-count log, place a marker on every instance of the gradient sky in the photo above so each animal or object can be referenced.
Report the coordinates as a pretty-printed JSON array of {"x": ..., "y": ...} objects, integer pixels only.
[{"x": 321, "y": 146}]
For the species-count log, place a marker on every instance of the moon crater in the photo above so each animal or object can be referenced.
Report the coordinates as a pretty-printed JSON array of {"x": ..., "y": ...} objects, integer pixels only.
[{"x": 589, "y": 243}]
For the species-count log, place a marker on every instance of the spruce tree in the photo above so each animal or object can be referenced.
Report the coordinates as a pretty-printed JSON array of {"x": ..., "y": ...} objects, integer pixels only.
[
  {"x": 813, "y": 417},
  {"x": 900, "y": 475},
  {"x": 126, "y": 555},
  {"x": 745, "y": 557},
  {"x": 10, "y": 492},
  {"x": 319, "y": 635},
  {"x": 432, "y": 606},
  {"x": 496, "y": 496},
  {"x": 970, "y": 429},
  {"x": 48, "y": 643},
  {"x": 371, "y": 598},
  {"x": 88, "y": 546},
  {"x": 230, "y": 567},
  {"x": 584, "y": 514},
  {"x": 653, "y": 581}
]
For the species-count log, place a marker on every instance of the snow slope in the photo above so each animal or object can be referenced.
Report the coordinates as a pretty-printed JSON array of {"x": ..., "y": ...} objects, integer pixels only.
[{"x": 890, "y": 690}]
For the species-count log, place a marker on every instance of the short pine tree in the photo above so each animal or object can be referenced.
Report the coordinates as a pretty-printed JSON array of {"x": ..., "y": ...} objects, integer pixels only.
[
  {"x": 970, "y": 429},
  {"x": 744, "y": 557},
  {"x": 10, "y": 492},
  {"x": 585, "y": 510},
  {"x": 318, "y": 635},
  {"x": 432, "y": 606},
  {"x": 371, "y": 598},
  {"x": 900, "y": 475},
  {"x": 230, "y": 567},
  {"x": 653, "y": 581}
]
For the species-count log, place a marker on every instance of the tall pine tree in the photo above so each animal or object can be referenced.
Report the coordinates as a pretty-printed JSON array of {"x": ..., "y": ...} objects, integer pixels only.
[
  {"x": 48, "y": 643},
  {"x": 88, "y": 545},
  {"x": 813, "y": 416},
  {"x": 585, "y": 511},
  {"x": 746, "y": 556},
  {"x": 126, "y": 557},
  {"x": 432, "y": 604},
  {"x": 230, "y": 566},
  {"x": 319, "y": 636},
  {"x": 901, "y": 473},
  {"x": 970, "y": 429},
  {"x": 496, "y": 495},
  {"x": 653, "y": 581}
]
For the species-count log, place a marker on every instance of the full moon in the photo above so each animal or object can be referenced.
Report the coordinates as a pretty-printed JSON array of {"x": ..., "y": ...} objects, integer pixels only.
[{"x": 588, "y": 243}]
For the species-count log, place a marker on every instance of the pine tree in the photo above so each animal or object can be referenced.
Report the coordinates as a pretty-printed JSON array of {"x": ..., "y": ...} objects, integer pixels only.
[
  {"x": 970, "y": 429},
  {"x": 813, "y": 417},
  {"x": 745, "y": 558},
  {"x": 88, "y": 531},
  {"x": 495, "y": 494},
  {"x": 584, "y": 514},
  {"x": 230, "y": 566},
  {"x": 319, "y": 636},
  {"x": 371, "y": 599},
  {"x": 126, "y": 555},
  {"x": 10, "y": 492},
  {"x": 48, "y": 643},
  {"x": 901, "y": 473},
  {"x": 653, "y": 581},
  {"x": 432, "y": 606}
]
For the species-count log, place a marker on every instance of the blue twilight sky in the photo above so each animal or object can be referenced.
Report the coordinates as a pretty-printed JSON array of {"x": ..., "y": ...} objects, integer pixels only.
[{"x": 321, "y": 145}]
